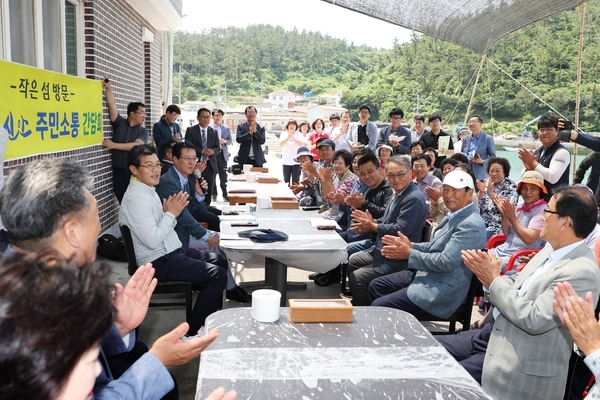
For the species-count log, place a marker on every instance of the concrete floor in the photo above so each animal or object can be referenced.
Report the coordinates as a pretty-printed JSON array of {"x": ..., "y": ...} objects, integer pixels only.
[{"x": 161, "y": 320}]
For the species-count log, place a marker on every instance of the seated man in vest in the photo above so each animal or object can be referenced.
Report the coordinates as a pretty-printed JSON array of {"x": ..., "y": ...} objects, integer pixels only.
[
  {"x": 151, "y": 222},
  {"x": 405, "y": 212},
  {"x": 524, "y": 353},
  {"x": 437, "y": 279},
  {"x": 179, "y": 179},
  {"x": 552, "y": 160}
]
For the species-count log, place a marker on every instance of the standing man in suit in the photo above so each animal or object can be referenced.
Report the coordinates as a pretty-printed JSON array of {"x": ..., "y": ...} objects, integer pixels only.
[
  {"x": 206, "y": 142},
  {"x": 251, "y": 136},
  {"x": 396, "y": 128},
  {"x": 525, "y": 352},
  {"x": 406, "y": 212},
  {"x": 479, "y": 147},
  {"x": 437, "y": 279},
  {"x": 167, "y": 129},
  {"x": 225, "y": 140}
]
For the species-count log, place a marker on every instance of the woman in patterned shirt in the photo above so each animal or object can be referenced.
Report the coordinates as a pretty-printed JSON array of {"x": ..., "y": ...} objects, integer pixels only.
[{"x": 491, "y": 192}]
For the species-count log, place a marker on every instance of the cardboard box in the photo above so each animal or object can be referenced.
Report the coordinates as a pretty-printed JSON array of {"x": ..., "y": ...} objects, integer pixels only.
[
  {"x": 290, "y": 204},
  {"x": 242, "y": 199},
  {"x": 320, "y": 310},
  {"x": 267, "y": 179}
]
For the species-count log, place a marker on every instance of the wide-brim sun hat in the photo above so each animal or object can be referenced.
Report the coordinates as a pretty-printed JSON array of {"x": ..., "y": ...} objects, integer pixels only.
[
  {"x": 532, "y": 178},
  {"x": 303, "y": 151}
]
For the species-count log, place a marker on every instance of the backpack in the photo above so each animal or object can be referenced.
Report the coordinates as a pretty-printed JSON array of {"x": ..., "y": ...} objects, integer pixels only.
[{"x": 111, "y": 247}]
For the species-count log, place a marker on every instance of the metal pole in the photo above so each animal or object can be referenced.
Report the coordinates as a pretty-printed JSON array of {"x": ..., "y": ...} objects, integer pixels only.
[
  {"x": 578, "y": 95},
  {"x": 179, "y": 94},
  {"x": 417, "y": 103},
  {"x": 260, "y": 102},
  {"x": 474, "y": 89}
]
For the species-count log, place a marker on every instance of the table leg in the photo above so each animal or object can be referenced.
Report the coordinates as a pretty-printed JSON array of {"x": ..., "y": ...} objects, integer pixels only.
[
  {"x": 273, "y": 279},
  {"x": 269, "y": 270},
  {"x": 280, "y": 280}
]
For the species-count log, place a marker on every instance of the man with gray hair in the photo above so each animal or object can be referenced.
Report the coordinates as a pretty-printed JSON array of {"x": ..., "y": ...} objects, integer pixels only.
[
  {"x": 406, "y": 212},
  {"x": 47, "y": 204},
  {"x": 438, "y": 280}
]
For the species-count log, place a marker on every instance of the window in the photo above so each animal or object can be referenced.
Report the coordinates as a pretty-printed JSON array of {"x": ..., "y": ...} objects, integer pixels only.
[
  {"x": 70, "y": 38},
  {"x": 45, "y": 34},
  {"x": 51, "y": 35},
  {"x": 22, "y": 49}
]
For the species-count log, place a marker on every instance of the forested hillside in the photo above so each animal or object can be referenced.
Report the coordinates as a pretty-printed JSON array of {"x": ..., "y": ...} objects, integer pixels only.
[{"x": 543, "y": 57}]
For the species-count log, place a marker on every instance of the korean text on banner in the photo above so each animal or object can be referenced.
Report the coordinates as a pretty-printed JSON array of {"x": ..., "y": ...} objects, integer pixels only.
[{"x": 46, "y": 112}]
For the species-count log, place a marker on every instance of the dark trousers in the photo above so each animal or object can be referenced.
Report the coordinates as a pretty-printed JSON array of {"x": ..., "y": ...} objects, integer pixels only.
[
  {"x": 391, "y": 291},
  {"x": 291, "y": 173},
  {"x": 250, "y": 161},
  {"x": 205, "y": 270},
  {"x": 222, "y": 172},
  {"x": 468, "y": 348},
  {"x": 209, "y": 176},
  {"x": 121, "y": 179},
  {"x": 360, "y": 275},
  {"x": 210, "y": 216}
]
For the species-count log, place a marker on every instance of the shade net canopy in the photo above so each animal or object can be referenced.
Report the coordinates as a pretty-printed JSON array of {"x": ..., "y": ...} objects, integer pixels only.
[{"x": 474, "y": 24}]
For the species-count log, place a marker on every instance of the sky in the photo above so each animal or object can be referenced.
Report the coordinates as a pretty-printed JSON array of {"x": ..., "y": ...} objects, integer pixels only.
[{"x": 312, "y": 15}]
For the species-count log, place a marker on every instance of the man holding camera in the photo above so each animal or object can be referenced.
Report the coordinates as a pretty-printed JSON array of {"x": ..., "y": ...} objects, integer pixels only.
[{"x": 552, "y": 160}]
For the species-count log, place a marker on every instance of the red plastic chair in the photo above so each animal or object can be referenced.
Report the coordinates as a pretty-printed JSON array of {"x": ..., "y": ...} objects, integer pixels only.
[
  {"x": 495, "y": 241},
  {"x": 513, "y": 259}
]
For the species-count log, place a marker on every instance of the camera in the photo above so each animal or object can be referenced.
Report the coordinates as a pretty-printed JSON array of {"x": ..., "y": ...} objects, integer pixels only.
[{"x": 565, "y": 133}]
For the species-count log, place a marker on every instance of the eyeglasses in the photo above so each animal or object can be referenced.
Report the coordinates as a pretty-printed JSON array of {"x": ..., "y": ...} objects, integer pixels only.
[
  {"x": 140, "y": 113},
  {"x": 399, "y": 175},
  {"x": 190, "y": 159},
  {"x": 552, "y": 212},
  {"x": 152, "y": 167}
]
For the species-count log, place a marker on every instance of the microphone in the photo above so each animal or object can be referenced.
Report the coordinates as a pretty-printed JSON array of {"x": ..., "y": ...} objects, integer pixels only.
[{"x": 198, "y": 176}]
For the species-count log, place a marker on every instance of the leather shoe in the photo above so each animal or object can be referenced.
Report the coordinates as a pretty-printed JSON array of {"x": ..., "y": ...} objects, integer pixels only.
[
  {"x": 329, "y": 278},
  {"x": 225, "y": 198},
  {"x": 238, "y": 294},
  {"x": 315, "y": 275},
  {"x": 214, "y": 198}
]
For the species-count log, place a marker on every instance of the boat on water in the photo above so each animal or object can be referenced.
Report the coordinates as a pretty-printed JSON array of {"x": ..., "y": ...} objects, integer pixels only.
[{"x": 513, "y": 149}]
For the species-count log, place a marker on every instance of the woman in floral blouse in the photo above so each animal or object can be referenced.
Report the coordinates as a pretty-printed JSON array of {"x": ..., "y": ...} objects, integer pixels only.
[
  {"x": 491, "y": 192},
  {"x": 339, "y": 184}
]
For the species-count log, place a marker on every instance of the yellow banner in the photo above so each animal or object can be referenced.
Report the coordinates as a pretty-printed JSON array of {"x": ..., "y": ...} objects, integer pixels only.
[{"x": 46, "y": 112}]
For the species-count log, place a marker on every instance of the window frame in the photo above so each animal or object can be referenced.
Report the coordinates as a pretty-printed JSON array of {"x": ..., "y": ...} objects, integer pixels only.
[{"x": 5, "y": 45}]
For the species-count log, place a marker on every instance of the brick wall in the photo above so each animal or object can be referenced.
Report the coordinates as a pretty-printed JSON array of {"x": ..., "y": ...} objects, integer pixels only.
[{"x": 114, "y": 48}]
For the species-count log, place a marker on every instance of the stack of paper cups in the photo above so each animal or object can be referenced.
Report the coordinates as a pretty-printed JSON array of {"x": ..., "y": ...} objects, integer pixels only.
[
  {"x": 265, "y": 305},
  {"x": 247, "y": 168}
]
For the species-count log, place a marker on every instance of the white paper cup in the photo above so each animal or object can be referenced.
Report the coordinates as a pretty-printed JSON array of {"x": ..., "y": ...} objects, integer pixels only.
[
  {"x": 250, "y": 178},
  {"x": 265, "y": 305},
  {"x": 264, "y": 202},
  {"x": 247, "y": 168}
]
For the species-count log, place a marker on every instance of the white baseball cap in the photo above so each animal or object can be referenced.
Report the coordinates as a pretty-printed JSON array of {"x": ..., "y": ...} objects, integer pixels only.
[{"x": 459, "y": 180}]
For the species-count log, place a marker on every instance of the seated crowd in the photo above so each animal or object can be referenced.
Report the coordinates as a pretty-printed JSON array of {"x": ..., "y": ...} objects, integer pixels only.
[{"x": 415, "y": 210}]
